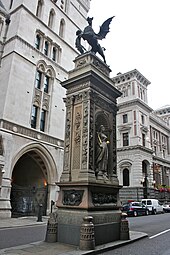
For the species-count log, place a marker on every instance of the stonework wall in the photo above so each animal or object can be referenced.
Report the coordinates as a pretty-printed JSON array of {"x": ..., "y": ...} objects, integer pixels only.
[{"x": 19, "y": 64}]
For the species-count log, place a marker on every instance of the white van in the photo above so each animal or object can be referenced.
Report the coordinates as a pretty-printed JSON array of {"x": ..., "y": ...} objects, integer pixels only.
[{"x": 153, "y": 206}]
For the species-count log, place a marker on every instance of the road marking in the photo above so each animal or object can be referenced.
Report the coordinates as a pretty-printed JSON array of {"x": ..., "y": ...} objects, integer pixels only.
[{"x": 163, "y": 232}]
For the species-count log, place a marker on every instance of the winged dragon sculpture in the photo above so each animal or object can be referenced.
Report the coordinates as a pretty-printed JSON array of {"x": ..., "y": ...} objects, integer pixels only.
[{"x": 92, "y": 38}]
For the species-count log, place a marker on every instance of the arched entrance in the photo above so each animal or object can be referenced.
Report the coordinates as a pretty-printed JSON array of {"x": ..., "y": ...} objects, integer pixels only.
[{"x": 29, "y": 185}]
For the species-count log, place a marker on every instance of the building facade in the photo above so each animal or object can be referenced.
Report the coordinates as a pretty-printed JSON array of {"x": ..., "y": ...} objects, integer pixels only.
[
  {"x": 143, "y": 142},
  {"x": 37, "y": 49},
  {"x": 164, "y": 113}
]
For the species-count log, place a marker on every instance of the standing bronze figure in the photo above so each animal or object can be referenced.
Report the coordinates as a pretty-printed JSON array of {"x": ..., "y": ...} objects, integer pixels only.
[{"x": 92, "y": 38}]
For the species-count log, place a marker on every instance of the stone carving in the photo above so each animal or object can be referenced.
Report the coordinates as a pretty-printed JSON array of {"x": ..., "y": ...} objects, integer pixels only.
[
  {"x": 114, "y": 158},
  {"x": 102, "y": 152},
  {"x": 77, "y": 136},
  {"x": 87, "y": 240},
  {"x": 101, "y": 67},
  {"x": 72, "y": 197},
  {"x": 81, "y": 62},
  {"x": 67, "y": 138},
  {"x": 102, "y": 198},
  {"x": 85, "y": 132}
]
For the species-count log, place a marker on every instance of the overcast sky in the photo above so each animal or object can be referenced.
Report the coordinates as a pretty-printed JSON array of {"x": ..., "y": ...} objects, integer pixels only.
[{"x": 139, "y": 39}]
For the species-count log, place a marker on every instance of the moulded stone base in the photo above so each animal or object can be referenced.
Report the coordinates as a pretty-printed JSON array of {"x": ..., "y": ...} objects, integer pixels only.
[{"x": 106, "y": 226}]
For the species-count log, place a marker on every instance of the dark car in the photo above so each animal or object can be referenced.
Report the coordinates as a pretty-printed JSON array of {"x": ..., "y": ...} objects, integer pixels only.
[{"x": 135, "y": 209}]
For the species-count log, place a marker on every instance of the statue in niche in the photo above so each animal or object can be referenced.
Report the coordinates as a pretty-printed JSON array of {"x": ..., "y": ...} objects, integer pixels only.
[
  {"x": 102, "y": 152},
  {"x": 92, "y": 38}
]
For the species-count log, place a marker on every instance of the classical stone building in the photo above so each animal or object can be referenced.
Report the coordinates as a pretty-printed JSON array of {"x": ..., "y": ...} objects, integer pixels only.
[
  {"x": 143, "y": 141},
  {"x": 164, "y": 113},
  {"x": 37, "y": 49}
]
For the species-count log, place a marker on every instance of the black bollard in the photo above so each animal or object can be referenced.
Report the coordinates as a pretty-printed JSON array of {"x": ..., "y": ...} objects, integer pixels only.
[{"x": 40, "y": 213}]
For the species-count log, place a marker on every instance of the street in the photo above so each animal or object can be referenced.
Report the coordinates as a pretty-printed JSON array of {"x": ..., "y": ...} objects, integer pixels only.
[
  {"x": 21, "y": 235},
  {"x": 158, "y": 229}
]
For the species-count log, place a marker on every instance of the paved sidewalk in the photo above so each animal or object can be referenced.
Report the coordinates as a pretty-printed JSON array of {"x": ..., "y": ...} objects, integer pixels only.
[
  {"x": 22, "y": 221},
  {"x": 44, "y": 248}
]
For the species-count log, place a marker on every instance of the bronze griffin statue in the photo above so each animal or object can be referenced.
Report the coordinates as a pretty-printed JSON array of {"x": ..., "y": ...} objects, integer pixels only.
[{"x": 92, "y": 38}]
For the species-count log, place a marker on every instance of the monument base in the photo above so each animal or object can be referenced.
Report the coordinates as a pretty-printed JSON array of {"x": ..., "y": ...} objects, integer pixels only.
[
  {"x": 80, "y": 200},
  {"x": 106, "y": 226}
]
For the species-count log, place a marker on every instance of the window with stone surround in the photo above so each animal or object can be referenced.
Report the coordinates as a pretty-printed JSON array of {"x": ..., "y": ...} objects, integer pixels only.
[
  {"x": 39, "y": 8},
  {"x": 125, "y": 139},
  {"x": 125, "y": 177},
  {"x": 125, "y": 118},
  {"x": 48, "y": 47},
  {"x": 44, "y": 79},
  {"x": 62, "y": 28},
  {"x": 143, "y": 139},
  {"x": 51, "y": 18},
  {"x": 38, "y": 79},
  {"x": 37, "y": 42},
  {"x": 34, "y": 116}
]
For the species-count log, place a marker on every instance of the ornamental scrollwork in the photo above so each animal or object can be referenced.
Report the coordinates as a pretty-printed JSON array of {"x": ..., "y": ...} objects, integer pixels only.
[
  {"x": 103, "y": 198},
  {"x": 72, "y": 197}
]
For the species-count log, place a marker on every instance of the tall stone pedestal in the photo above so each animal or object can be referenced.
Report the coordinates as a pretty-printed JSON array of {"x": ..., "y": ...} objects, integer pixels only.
[{"x": 89, "y": 184}]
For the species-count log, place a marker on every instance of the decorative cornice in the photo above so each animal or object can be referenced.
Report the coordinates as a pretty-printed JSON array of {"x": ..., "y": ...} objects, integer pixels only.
[
  {"x": 160, "y": 121},
  {"x": 136, "y": 147},
  {"x": 16, "y": 37},
  {"x": 160, "y": 160},
  {"x": 124, "y": 127},
  {"x": 136, "y": 101},
  {"x": 31, "y": 133},
  {"x": 120, "y": 78}
]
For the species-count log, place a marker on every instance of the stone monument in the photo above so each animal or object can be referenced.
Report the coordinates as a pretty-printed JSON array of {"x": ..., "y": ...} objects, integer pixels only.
[{"x": 89, "y": 186}]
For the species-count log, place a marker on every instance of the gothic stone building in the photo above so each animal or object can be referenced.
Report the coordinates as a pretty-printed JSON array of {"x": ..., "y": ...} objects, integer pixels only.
[
  {"x": 37, "y": 49},
  {"x": 143, "y": 142}
]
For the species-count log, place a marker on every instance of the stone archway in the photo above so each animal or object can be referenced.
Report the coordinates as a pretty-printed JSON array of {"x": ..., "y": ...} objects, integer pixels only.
[
  {"x": 29, "y": 185},
  {"x": 34, "y": 174}
]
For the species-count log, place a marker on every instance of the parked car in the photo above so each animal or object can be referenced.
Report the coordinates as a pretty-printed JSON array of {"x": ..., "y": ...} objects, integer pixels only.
[
  {"x": 153, "y": 206},
  {"x": 135, "y": 209},
  {"x": 166, "y": 207}
]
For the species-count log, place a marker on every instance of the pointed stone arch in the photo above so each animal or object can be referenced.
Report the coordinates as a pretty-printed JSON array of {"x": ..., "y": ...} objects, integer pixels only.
[
  {"x": 44, "y": 155},
  {"x": 34, "y": 176}
]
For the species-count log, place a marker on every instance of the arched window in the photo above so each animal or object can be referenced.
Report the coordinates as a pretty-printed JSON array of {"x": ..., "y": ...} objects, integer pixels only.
[
  {"x": 51, "y": 18},
  {"x": 62, "y": 28},
  {"x": 39, "y": 8},
  {"x": 125, "y": 177}
]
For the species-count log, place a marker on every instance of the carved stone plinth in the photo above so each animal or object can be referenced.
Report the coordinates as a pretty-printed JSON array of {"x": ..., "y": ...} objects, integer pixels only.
[
  {"x": 87, "y": 241},
  {"x": 89, "y": 184}
]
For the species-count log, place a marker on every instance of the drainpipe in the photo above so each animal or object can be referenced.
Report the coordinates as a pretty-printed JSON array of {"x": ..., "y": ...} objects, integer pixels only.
[{"x": 7, "y": 22}]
